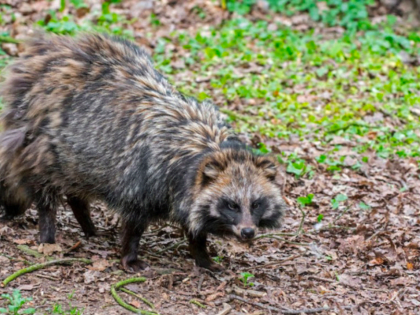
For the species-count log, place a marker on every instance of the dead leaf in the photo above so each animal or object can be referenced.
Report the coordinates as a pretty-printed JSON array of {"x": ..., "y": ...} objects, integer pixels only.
[
  {"x": 349, "y": 280},
  {"x": 214, "y": 296},
  {"x": 377, "y": 261},
  {"x": 22, "y": 241},
  {"x": 99, "y": 265},
  {"x": 135, "y": 303},
  {"x": 410, "y": 266},
  {"x": 91, "y": 276},
  {"x": 26, "y": 287},
  {"x": 48, "y": 249}
]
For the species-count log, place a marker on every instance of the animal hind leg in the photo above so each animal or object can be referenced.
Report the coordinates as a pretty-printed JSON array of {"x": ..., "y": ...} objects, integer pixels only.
[
  {"x": 81, "y": 211},
  {"x": 14, "y": 201},
  {"x": 12, "y": 210}
]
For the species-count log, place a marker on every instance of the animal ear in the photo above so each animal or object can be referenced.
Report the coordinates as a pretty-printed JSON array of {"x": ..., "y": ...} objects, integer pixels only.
[
  {"x": 211, "y": 171},
  {"x": 268, "y": 166}
]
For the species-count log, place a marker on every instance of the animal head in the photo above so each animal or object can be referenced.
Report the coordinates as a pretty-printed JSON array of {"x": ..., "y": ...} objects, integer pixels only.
[{"x": 235, "y": 193}]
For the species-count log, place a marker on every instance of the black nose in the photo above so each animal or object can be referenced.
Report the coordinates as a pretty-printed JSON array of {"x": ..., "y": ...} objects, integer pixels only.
[{"x": 247, "y": 233}]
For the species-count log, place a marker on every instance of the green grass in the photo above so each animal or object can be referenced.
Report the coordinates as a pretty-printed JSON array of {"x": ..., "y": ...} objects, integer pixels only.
[
  {"x": 353, "y": 15},
  {"x": 105, "y": 20},
  {"x": 294, "y": 84}
]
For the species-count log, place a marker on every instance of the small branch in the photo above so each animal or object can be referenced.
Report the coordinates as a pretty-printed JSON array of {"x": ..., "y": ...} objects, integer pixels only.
[
  {"x": 197, "y": 303},
  {"x": 121, "y": 302},
  {"x": 285, "y": 311},
  {"x": 274, "y": 263},
  {"x": 28, "y": 251},
  {"x": 43, "y": 265},
  {"x": 273, "y": 234},
  {"x": 139, "y": 297},
  {"x": 200, "y": 283},
  {"x": 286, "y": 241},
  {"x": 234, "y": 115},
  {"x": 227, "y": 308},
  {"x": 300, "y": 230},
  {"x": 7, "y": 39},
  {"x": 340, "y": 215},
  {"x": 15, "y": 259},
  {"x": 170, "y": 247},
  {"x": 322, "y": 279}
]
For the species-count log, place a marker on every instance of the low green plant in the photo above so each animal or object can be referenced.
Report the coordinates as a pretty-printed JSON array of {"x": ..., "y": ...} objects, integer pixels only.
[
  {"x": 16, "y": 304},
  {"x": 320, "y": 217},
  {"x": 364, "y": 206},
  {"x": 298, "y": 167},
  {"x": 305, "y": 201},
  {"x": 335, "y": 202},
  {"x": 70, "y": 310},
  {"x": 218, "y": 259},
  {"x": 244, "y": 277}
]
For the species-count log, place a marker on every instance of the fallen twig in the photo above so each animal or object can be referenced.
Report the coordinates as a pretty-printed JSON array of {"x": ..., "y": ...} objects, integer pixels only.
[
  {"x": 300, "y": 230},
  {"x": 47, "y": 277},
  {"x": 7, "y": 39},
  {"x": 200, "y": 283},
  {"x": 285, "y": 240},
  {"x": 226, "y": 309},
  {"x": 322, "y": 279},
  {"x": 121, "y": 302},
  {"x": 28, "y": 251},
  {"x": 74, "y": 247},
  {"x": 139, "y": 297},
  {"x": 285, "y": 311},
  {"x": 43, "y": 265},
  {"x": 197, "y": 303},
  {"x": 15, "y": 259},
  {"x": 253, "y": 293},
  {"x": 172, "y": 246},
  {"x": 273, "y": 234},
  {"x": 234, "y": 115},
  {"x": 274, "y": 263}
]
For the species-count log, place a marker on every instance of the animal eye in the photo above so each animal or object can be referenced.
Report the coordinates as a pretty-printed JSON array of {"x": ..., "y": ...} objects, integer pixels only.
[
  {"x": 255, "y": 205},
  {"x": 232, "y": 206}
]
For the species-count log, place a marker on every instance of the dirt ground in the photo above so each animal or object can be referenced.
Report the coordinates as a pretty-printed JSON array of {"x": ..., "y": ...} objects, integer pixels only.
[{"x": 362, "y": 262}]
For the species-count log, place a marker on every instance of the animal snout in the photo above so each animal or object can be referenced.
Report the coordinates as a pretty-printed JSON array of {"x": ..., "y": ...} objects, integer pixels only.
[{"x": 247, "y": 233}]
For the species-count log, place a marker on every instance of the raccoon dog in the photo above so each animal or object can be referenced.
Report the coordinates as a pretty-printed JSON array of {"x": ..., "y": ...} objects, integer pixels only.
[{"x": 91, "y": 117}]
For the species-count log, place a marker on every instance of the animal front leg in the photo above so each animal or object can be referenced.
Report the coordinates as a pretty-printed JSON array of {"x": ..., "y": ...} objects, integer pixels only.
[
  {"x": 199, "y": 252},
  {"x": 132, "y": 232},
  {"x": 47, "y": 214},
  {"x": 81, "y": 211}
]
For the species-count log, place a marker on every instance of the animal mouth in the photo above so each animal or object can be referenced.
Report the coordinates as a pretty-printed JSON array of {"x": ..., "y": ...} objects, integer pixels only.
[{"x": 244, "y": 235}]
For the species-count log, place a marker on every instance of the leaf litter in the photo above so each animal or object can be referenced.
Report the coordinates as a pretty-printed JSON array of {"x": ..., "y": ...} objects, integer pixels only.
[{"x": 362, "y": 257}]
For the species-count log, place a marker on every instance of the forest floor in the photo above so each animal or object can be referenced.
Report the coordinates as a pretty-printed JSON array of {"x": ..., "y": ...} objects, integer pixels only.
[{"x": 341, "y": 110}]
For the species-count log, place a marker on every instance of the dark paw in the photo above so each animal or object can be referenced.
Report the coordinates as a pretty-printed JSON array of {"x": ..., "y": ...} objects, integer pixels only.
[
  {"x": 133, "y": 266},
  {"x": 208, "y": 264},
  {"x": 6, "y": 218},
  {"x": 216, "y": 267},
  {"x": 89, "y": 230},
  {"x": 47, "y": 239},
  {"x": 91, "y": 233}
]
